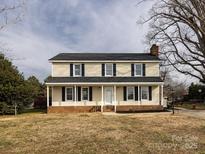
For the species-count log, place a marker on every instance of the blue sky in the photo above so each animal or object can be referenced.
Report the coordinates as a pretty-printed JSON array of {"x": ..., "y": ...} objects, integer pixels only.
[{"x": 50, "y": 27}]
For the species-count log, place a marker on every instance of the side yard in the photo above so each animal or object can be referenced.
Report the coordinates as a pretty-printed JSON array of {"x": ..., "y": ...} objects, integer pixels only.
[
  {"x": 101, "y": 133},
  {"x": 191, "y": 106}
]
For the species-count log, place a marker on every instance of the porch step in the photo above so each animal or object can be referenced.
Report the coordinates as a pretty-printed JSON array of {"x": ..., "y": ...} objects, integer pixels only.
[{"x": 108, "y": 108}]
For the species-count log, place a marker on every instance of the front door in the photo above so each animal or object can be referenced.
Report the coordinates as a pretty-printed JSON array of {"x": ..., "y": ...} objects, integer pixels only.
[{"x": 108, "y": 95}]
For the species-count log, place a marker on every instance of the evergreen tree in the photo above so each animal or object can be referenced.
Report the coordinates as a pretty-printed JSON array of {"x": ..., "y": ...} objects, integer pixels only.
[{"x": 14, "y": 89}]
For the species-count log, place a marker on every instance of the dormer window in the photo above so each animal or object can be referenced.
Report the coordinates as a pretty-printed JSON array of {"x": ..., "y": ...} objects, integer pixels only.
[
  {"x": 138, "y": 70},
  {"x": 108, "y": 69},
  {"x": 77, "y": 70}
]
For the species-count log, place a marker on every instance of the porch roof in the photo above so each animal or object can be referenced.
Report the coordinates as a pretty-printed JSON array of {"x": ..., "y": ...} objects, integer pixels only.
[{"x": 52, "y": 80}]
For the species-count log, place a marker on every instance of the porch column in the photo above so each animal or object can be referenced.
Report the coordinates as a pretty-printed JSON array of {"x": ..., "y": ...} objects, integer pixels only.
[
  {"x": 115, "y": 97},
  {"x": 75, "y": 89},
  {"x": 162, "y": 97},
  {"x": 47, "y": 96},
  {"x": 102, "y": 101},
  {"x": 139, "y": 101}
]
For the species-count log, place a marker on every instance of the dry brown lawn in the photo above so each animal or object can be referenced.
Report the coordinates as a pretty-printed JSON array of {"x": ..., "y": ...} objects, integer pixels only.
[{"x": 97, "y": 133}]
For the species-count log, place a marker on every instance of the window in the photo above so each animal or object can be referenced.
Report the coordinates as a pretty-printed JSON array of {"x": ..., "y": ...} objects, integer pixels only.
[
  {"x": 130, "y": 93},
  {"x": 138, "y": 69},
  {"x": 85, "y": 94},
  {"x": 144, "y": 93},
  {"x": 77, "y": 69},
  {"x": 108, "y": 69},
  {"x": 69, "y": 94}
]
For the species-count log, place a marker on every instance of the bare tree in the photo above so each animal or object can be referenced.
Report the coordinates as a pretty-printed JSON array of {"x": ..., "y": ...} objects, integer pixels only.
[
  {"x": 179, "y": 27},
  {"x": 11, "y": 12}
]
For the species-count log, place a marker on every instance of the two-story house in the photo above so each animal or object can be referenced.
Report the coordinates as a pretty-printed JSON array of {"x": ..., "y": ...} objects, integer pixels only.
[{"x": 119, "y": 82}]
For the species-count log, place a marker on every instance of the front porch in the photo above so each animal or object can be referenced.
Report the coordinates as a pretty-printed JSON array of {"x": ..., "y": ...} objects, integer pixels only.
[{"x": 103, "y": 98}]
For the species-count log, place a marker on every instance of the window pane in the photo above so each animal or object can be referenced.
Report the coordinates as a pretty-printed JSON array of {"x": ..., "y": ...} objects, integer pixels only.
[
  {"x": 85, "y": 93},
  {"x": 69, "y": 93},
  {"x": 130, "y": 93},
  {"x": 108, "y": 69},
  {"x": 77, "y": 70},
  {"x": 138, "y": 69},
  {"x": 144, "y": 92}
]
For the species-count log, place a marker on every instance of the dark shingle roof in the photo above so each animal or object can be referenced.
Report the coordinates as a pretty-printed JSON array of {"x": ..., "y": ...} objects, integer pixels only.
[
  {"x": 102, "y": 79},
  {"x": 104, "y": 56}
]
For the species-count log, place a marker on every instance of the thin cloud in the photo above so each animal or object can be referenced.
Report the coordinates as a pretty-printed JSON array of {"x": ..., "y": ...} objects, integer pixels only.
[{"x": 73, "y": 25}]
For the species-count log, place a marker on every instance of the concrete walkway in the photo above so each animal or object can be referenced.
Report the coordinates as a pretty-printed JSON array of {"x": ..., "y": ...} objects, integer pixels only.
[{"x": 192, "y": 113}]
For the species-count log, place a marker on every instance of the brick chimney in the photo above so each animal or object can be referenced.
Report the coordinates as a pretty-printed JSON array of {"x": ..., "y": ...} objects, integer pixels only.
[{"x": 154, "y": 50}]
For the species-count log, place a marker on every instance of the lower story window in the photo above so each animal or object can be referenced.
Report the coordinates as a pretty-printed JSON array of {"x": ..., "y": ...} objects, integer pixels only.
[
  {"x": 69, "y": 94},
  {"x": 85, "y": 94},
  {"x": 145, "y": 93},
  {"x": 130, "y": 93}
]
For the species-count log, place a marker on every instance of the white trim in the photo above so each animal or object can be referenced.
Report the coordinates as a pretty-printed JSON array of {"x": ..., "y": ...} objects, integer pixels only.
[
  {"x": 141, "y": 69},
  {"x": 106, "y": 69},
  {"x": 133, "y": 88},
  {"x": 66, "y": 94},
  {"x": 105, "y": 61},
  {"x": 139, "y": 100},
  {"x": 162, "y": 97},
  {"x": 102, "y": 101},
  {"x": 74, "y": 70},
  {"x": 82, "y": 94},
  {"x": 147, "y": 93},
  {"x": 52, "y": 95},
  {"x": 115, "y": 97},
  {"x": 75, "y": 94},
  {"x": 106, "y": 83},
  {"x": 47, "y": 96}
]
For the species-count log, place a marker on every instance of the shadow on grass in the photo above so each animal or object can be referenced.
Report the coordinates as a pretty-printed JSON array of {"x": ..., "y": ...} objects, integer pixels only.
[{"x": 33, "y": 110}]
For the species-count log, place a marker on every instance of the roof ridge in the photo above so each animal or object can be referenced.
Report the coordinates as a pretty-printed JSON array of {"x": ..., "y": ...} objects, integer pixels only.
[{"x": 104, "y": 53}]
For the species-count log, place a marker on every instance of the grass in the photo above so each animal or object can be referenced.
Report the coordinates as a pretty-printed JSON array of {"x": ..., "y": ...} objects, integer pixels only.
[
  {"x": 98, "y": 133},
  {"x": 33, "y": 110},
  {"x": 198, "y": 106}
]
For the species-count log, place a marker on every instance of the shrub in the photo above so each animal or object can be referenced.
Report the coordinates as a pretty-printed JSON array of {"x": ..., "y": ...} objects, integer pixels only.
[{"x": 6, "y": 109}]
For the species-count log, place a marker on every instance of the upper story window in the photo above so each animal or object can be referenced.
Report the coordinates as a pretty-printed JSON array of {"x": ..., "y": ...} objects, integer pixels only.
[
  {"x": 77, "y": 71},
  {"x": 108, "y": 69},
  {"x": 138, "y": 70}
]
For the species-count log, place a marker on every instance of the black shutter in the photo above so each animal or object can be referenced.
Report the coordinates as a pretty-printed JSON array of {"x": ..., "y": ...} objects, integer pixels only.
[
  {"x": 74, "y": 94},
  {"x": 114, "y": 69},
  {"x": 144, "y": 69},
  {"x": 125, "y": 93},
  {"x": 63, "y": 94},
  {"x": 103, "y": 69},
  {"x": 71, "y": 69},
  {"x": 140, "y": 93},
  {"x": 132, "y": 70},
  {"x": 79, "y": 93},
  {"x": 150, "y": 93},
  {"x": 83, "y": 70},
  {"x": 136, "y": 93},
  {"x": 90, "y": 93}
]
